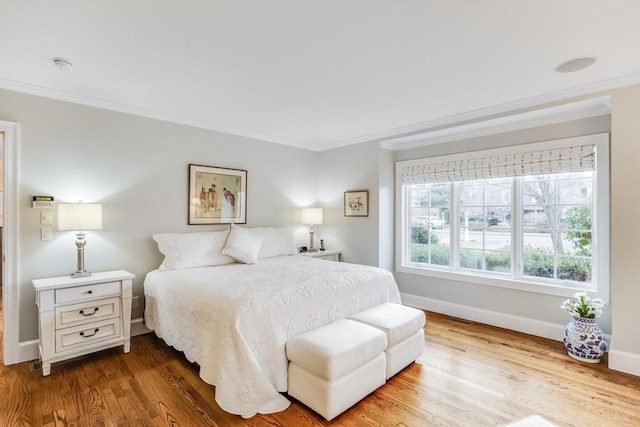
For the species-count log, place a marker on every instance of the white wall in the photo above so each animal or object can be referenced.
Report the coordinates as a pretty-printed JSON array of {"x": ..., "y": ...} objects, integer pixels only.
[
  {"x": 137, "y": 168},
  {"x": 355, "y": 167},
  {"x": 387, "y": 209},
  {"x": 625, "y": 229}
]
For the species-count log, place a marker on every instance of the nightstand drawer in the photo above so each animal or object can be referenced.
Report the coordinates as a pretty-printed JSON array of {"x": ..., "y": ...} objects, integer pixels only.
[
  {"x": 81, "y": 293},
  {"x": 327, "y": 257},
  {"x": 78, "y": 314},
  {"x": 79, "y": 336}
]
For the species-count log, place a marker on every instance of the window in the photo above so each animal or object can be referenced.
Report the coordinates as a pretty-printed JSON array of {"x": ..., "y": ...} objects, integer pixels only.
[
  {"x": 485, "y": 224},
  {"x": 557, "y": 213},
  {"x": 531, "y": 217},
  {"x": 429, "y": 236}
]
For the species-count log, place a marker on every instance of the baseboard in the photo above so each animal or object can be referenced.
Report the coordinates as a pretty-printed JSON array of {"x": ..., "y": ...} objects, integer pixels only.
[
  {"x": 515, "y": 323},
  {"x": 138, "y": 327},
  {"x": 624, "y": 361},
  {"x": 28, "y": 350}
]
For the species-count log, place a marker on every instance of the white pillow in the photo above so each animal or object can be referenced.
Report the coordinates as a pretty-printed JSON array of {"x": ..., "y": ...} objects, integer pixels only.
[
  {"x": 189, "y": 250},
  {"x": 243, "y": 245},
  {"x": 277, "y": 241}
]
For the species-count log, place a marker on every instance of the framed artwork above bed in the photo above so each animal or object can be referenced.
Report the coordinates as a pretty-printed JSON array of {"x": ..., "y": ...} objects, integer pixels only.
[{"x": 217, "y": 195}]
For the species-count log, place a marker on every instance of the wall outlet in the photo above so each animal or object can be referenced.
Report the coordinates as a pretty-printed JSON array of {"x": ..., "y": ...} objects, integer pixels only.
[
  {"x": 134, "y": 302},
  {"x": 45, "y": 234}
]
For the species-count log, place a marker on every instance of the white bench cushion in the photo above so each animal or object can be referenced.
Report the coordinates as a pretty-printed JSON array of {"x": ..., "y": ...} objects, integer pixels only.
[
  {"x": 398, "y": 322},
  {"x": 336, "y": 349}
]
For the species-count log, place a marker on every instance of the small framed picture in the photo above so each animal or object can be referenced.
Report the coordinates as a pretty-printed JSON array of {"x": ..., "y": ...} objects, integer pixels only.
[
  {"x": 217, "y": 195},
  {"x": 356, "y": 203}
]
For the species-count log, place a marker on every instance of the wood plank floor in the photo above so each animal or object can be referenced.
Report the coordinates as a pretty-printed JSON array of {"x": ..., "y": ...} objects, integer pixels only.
[{"x": 469, "y": 375}]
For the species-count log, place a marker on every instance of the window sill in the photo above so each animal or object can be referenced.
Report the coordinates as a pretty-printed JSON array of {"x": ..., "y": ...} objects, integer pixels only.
[{"x": 540, "y": 287}]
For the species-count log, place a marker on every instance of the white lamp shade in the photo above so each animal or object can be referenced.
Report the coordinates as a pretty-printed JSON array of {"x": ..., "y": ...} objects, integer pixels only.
[
  {"x": 80, "y": 216},
  {"x": 312, "y": 216}
]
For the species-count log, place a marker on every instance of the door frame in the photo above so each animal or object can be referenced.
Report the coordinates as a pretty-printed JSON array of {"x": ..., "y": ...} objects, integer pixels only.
[{"x": 10, "y": 279}]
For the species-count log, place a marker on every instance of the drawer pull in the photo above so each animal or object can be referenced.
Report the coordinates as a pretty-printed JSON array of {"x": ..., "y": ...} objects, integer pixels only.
[
  {"x": 95, "y": 331},
  {"x": 89, "y": 291},
  {"x": 95, "y": 310}
]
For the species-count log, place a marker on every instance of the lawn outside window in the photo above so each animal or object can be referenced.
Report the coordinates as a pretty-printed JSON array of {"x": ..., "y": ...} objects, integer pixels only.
[{"x": 533, "y": 217}]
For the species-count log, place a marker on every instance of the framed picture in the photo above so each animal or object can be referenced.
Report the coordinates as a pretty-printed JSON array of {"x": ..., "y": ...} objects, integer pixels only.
[
  {"x": 217, "y": 195},
  {"x": 356, "y": 203}
]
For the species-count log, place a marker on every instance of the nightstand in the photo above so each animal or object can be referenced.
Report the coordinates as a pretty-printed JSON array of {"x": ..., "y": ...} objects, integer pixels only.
[
  {"x": 83, "y": 315},
  {"x": 328, "y": 255}
]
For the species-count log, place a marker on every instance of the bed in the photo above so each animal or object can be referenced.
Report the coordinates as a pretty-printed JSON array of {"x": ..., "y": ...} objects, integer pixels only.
[{"x": 234, "y": 318}]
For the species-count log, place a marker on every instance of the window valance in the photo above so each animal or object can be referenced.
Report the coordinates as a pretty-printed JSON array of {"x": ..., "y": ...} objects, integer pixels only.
[{"x": 486, "y": 164}]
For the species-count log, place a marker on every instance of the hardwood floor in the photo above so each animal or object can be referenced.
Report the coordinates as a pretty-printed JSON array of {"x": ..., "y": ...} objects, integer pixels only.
[{"x": 469, "y": 375}]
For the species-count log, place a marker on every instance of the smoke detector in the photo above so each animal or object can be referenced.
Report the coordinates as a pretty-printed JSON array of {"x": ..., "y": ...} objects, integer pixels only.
[{"x": 62, "y": 64}]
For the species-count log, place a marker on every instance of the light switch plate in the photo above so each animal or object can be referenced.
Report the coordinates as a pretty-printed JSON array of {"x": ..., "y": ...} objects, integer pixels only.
[
  {"x": 46, "y": 217},
  {"x": 46, "y": 234}
]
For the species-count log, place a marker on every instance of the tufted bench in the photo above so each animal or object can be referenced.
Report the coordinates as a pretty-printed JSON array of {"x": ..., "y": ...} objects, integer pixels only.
[
  {"x": 403, "y": 327},
  {"x": 333, "y": 367}
]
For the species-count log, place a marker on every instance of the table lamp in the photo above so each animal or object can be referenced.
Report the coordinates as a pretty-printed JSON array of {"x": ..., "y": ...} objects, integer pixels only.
[
  {"x": 80, "y": 217},
  {"x": 311, "y": 216}
]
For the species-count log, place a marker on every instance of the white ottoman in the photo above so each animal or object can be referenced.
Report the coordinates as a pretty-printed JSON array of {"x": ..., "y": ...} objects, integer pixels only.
[
  {"x": 331, "y": 368},
  {"x": 404, "y": 329}
]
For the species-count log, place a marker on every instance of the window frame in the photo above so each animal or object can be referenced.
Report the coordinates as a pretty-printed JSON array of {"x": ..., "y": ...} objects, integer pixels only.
[{"x": 600, "y": 283}]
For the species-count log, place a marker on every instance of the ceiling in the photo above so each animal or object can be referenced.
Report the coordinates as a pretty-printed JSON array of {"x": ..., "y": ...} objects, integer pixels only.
[{"x": 317, "y": 74}]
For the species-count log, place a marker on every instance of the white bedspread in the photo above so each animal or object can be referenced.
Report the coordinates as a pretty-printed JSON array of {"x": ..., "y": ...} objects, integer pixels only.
[{"x": 234, "y": 320}]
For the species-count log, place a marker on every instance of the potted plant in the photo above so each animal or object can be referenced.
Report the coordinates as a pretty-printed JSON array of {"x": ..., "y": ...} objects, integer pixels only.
[{"x": 583, "y": 338}]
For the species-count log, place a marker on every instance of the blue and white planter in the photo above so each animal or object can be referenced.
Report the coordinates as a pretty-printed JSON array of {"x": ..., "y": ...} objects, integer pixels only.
[{"x": 584, "y": 340}]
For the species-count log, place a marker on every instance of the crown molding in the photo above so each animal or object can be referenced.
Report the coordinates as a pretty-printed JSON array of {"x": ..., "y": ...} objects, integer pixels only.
[
  {"x": 393, "y": 139},
  {"x": 547, "y": 116},
  {"x": 425, "y": 133},
  {"x": 136, "y": 111}
]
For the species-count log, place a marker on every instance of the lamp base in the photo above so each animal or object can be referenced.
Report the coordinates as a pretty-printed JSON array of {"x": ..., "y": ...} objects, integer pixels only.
[
  {"x": 312, "y": 231},
  {"x": 80, "y": 271},
  {"x": 78, "y": 274}
]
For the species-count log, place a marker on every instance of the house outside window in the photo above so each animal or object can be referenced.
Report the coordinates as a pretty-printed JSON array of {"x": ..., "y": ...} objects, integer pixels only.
[{"x": 532, "y": 217}]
